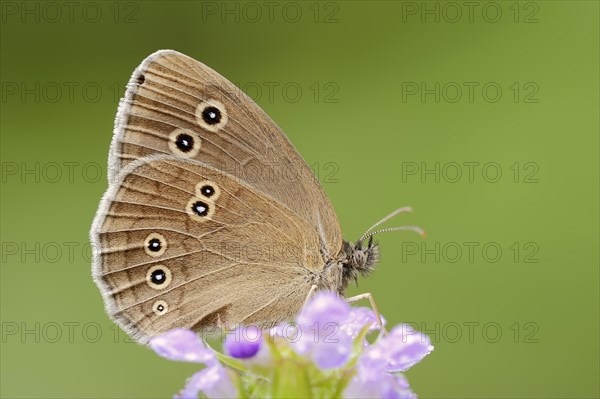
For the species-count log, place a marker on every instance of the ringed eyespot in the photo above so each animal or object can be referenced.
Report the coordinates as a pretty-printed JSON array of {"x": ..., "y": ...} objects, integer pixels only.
[
  {"x": 184, "y": 143},
  {"x": 211, "y": 115},
  {"x": 155, "y": 245},
  {"x": 208, "y": 189},
  {"x": 158, "y": 277},
  {"x": 160, "y": 307},
  {"x": 200, "y": 209}
]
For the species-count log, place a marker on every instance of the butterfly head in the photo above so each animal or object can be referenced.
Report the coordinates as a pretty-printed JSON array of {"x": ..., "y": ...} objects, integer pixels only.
[{"x": 359, "y": 259}]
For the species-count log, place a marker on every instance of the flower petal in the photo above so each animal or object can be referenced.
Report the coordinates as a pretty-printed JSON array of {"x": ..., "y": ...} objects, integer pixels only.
[
  {"x": 213, "y": 382},
  {"x": 191, "y": 390},
  {"x": 379, "y": 385},
  {"x": 360, "y": 389},
  {"x": 181, "y": 345},
  {"x": 405, "y": 347},
  {"x": 244, "y": 342},
  {"x": 397, "y": 387},
  {"x": 319, "y": 335},
  {"x": 358, "y": 318},
  {"x": 397, "y": 351},
  {"x": 332, "y": 353},
  {"x": 325, "y": 308}
]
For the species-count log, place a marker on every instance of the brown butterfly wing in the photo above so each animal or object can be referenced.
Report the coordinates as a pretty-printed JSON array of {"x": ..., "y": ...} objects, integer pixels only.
[
  {"x": 167, "y": 109},
  {"x": 181, "y": 244}
]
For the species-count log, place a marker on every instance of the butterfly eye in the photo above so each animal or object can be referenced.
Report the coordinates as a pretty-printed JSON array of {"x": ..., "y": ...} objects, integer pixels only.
[
  {"x": 158, "y": 277},
  {"x": 155, "y": 245},
  {"x": 160, "y": 307},
  {"x": 184, "y": 143},
  {"x": 208, "y": 189},
  {"x": 211, "y": 115}
]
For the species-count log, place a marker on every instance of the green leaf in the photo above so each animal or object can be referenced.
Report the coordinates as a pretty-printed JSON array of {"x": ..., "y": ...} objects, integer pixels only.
[
  {"x": 231, "y": 362},
  {"x": 290, "y": 380},
  {"x": 260, "y": 388},
  {"x": 357, "y": 347},
  {"x": 343, "y": 382},
  {"x": 238, "y": 382}
]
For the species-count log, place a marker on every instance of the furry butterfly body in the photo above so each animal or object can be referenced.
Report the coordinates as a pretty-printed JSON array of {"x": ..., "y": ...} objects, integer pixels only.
[{"x": 211, "y": 216}]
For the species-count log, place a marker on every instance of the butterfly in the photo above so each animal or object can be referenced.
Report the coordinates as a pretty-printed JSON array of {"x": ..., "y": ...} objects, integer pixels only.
[{"x": 211, "y": 216}]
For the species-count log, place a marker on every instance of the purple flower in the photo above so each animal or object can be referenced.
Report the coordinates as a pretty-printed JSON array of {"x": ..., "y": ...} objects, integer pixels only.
[
  {"x": 405, "y": 347},
  {"x": 213, "y": 382},
  {"x": 402, "y": 348},
  {"x": 244, "y": 342},
  {"x": 182, "y": 345},
  {"x": 319, "y": 331},
  {"x": 381, "y": 385},
  {"x": 373, "y": 381},
  {"x": 325, "y": 329},
  {"x": 287, "y": 331},
  {"x": 326, "y": 307},
  {"x": 358, "y": 318},
  {"x": 329, "y": 350},
  {"x": 325, "y": 332}
]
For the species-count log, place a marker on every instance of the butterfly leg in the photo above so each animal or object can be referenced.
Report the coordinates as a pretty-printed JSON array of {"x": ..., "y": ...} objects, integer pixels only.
[
  {"x": 373, "y": 306},
  {"x": 310, "y": 294}
]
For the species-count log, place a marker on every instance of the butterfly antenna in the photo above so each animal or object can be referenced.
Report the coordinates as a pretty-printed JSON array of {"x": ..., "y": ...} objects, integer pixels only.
[
  {"x": 405, "y": 209},
  {"x": 416, "y": 229}
]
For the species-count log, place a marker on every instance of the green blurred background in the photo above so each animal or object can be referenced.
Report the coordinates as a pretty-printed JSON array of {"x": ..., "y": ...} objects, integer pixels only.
[{"x": 483, "y": 117}]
